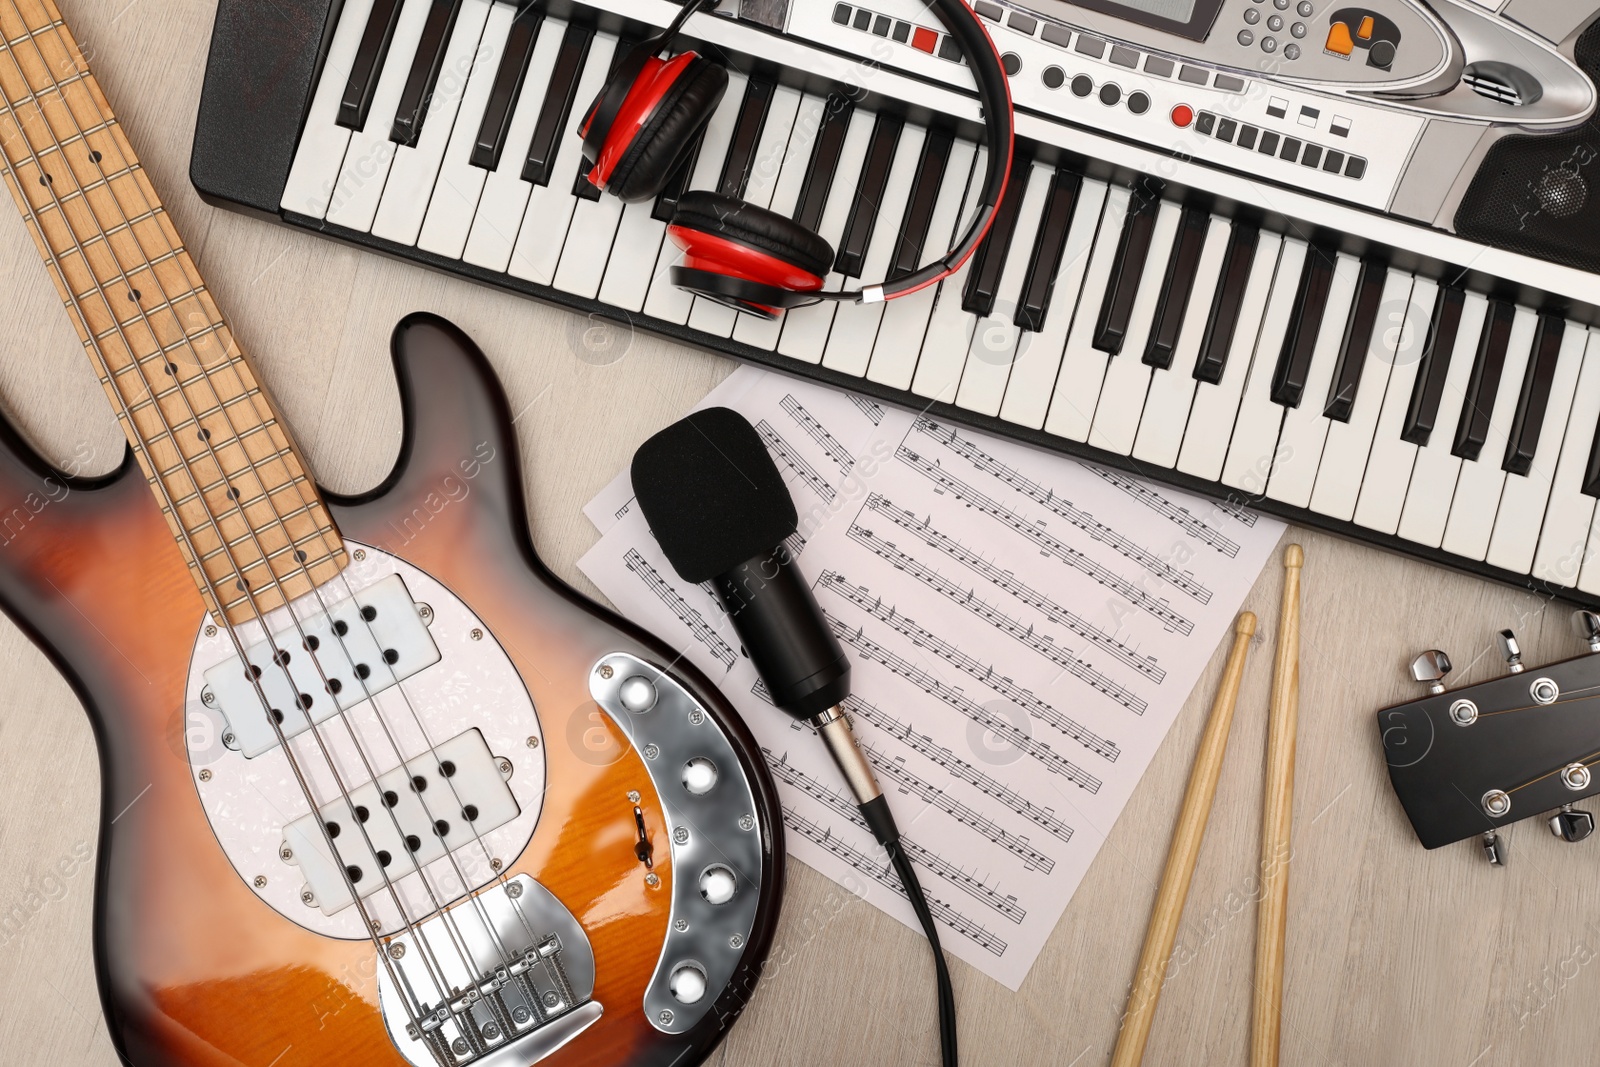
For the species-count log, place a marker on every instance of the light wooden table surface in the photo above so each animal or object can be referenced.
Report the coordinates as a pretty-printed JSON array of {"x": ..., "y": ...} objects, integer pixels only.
[{"x": 1395, "y": 956}]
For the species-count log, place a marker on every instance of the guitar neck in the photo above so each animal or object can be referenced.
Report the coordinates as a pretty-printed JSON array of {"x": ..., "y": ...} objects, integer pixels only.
[{"x": 246, "y": 515}]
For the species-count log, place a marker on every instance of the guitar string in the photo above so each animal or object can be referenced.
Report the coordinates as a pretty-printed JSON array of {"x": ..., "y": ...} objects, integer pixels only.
[
  {"x": 499, "y": 877},
  {"x": 279, "y": 656},
  {"x": 127, "y": 413}
]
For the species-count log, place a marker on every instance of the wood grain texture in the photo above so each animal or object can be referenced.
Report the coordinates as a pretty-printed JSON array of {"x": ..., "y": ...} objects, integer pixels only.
[{"x": 1395, "y": 956}]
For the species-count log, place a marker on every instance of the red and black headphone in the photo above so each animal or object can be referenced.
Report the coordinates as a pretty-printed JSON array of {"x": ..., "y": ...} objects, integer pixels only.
[{"x": 645, "y": 121}]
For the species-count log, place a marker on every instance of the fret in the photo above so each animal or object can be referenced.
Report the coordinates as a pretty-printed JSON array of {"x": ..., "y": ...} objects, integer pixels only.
[{"x": 187, "y": 399}]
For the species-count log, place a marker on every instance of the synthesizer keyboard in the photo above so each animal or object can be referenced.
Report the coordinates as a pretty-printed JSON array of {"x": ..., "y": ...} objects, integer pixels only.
[{"x": 1336, "y": 262}]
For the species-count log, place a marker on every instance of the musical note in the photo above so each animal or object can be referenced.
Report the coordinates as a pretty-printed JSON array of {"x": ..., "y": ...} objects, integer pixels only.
[
  {"x": 884, "y": 875},
  {"x": 817, "y": 432},
  {"x": 873, "y": 412},
  {"x": 924, "y": 530},
  {"x": 1041, "y": 643},
  {"x": 1157, "y": 567},
  {"x": 785, "y": 452},
  {"x": 1051, "y": 544},
  {"x": 1158, "y": 503},
  {"x": 687, "y": 614}
]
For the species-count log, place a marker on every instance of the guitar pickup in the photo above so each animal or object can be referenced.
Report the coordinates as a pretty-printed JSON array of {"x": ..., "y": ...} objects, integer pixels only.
[{"x": 362, "y": 646}]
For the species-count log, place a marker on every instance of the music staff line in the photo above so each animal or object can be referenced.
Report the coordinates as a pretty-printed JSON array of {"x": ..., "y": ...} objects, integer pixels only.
[
  {"x": 1052, "y": 545},
  {"x": 885, "y": 876},
  {"x": 794, "y": 461},
  {"x": 873, "y": 412},
  {"x": 958, "y": 767},
  {"x": 1004, "y": 906},
  {"x": 819, "y": 433},
  {"x": 924, "y": 530},
  {"x": 686, "y": 613},
  {"x": 1181, "y": 517},
  {"x": 1083, "y": 520},
  {"x": 969, "y": 600}
]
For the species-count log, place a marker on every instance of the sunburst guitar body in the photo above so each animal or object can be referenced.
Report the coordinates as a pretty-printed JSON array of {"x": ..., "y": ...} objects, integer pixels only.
[{"x": 378, "y": 789}]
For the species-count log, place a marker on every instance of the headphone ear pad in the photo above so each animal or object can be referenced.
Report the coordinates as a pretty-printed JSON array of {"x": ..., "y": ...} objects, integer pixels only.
[
  {"x": 669, "y": 133},
  {"x": 739, "y": 220}
]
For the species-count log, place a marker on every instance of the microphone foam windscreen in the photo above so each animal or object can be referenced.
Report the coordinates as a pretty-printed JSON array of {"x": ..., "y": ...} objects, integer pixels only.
[{"x": 711, "y": 494}]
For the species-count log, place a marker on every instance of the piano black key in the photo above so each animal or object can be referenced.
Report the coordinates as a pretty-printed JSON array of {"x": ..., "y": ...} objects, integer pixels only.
[
  {"x": 437, "y": 26},
  {"x": 919, "y": 208},
  {"x": 1176, "y": 286},
  {"x": 507, "y": 87},
  {"x": 824, "y": 160},
  {"x": 582, "y": 188},
  {"x": 1357, "y": 341},
  {"x": 869, "y": 194},
  {"x": 746, "y": 137},
  {"x": 1224, "y": 319},
  {"x": 983, "y": 274},
  {"x": 557, "y": 104},
  {"x": 1305, "y": 322},
  {"x": 677, "y": 182},
  {"x": 1133, "y": 248},
  {"x": 1038, "y": 284},
  {"x": 1472, "y": 430},
  {"x": 1535, "y": 396},
  {"x": 370, "y": 54},
  {"x": 1434, "y": 368}
]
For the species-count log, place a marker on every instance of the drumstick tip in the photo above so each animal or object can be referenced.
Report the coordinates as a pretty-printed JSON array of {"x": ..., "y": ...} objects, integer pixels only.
[
  {"x": 1294, "y": 557},
  {"x": 1246, "y": 624}
]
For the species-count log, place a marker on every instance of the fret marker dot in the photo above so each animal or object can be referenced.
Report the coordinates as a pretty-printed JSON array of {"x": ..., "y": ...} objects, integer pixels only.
[
  {"x": 240, "y": 585},
  {"x": 205, "y": 435},
  {"x": 45, "y": 179},
  {"x": 133, "y": 294},
  {"x": 233, "y": 493},
  {"x": 300, "y": 554},
  {"x": 96, "y": 156},
  {"x": 172, "y": 370}
]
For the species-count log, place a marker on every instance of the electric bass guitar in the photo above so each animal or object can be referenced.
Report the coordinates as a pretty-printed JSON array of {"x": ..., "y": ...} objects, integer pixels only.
[{"x": 428, "y": 806}]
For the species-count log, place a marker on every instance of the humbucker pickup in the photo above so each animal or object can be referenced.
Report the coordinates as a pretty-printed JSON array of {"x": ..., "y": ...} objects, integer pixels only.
[
  {"x": 412, "y": 815},
  {"x": 348, "y": 654}
]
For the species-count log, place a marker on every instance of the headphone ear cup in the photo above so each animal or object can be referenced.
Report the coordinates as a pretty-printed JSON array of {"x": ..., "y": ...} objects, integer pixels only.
[
  {"x": 744, "y": 222},
  {"x": 745, "y": 256},
  {"x": 669, "y": 133}
]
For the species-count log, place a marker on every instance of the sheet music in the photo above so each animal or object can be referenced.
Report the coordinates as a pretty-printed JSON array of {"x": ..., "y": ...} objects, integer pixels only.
[{"x": 1023, "y": 629}]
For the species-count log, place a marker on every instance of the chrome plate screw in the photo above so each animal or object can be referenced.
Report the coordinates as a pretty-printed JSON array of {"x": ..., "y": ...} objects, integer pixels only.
[
  {"x": 205, "y": 774},
  {"x": 514, "y": 890},
  {"x": 361, "y": 554},
  {"x": 680, "y": 925},
  {"x": 697, "y": 717},
  {"x": 1463, "y": 713},
  {"x": 477, "y": 634},
  {"x": 665, "y": 1016},
  {"x": 261, "y": 881},
  {"x": 1575, "y": 776},
  {"x": 633, "y": 796},
  {"x": 736, "y": 941},
  {"x": 308, "y": 898},
  {"x": 520, "y": 1014},
  {"x": 747, "y": 822},
  {"x": 651, "y": 751},
  {"x": 551, "y": 999},
  {"x": 397, "y": 950},
  {"x": 1544, "y": 691},
  {"x": 533, "y": 742},
  {"x": 680, "y": 834},
  {"x": 285, "y": 853},
  {"x": 1497, "y": 802},
  {"x": 606, "y": 671},
  {"x": 652, "y": 879}
]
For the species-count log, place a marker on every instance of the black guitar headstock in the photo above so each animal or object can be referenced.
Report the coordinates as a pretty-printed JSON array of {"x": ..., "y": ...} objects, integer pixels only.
[{"x": 1465, "y": 762}]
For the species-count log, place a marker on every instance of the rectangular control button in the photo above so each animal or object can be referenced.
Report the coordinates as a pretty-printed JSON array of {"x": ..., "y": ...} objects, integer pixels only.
[
  {"x": 1155, "y": 66},
  {"x": 1022, "y": 23},
  {"x": 1356, "y": 168},
  {"x": 1124, "y": 57},
  {"x": 992, "y": 12},
  {"x": 1247, "y": 138},
  {"x": 1090, "y": 46},
  {"x": 1269, "y": 143},
  {"x": 1194, "y": 75},
  {"x": 1226, "y": 129},
  {"x": 1057, "y": 34}
]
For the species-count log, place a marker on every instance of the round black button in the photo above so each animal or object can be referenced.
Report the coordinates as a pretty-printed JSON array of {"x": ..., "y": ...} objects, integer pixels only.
[
  {"x": 1110, "y": 94},
  {"x": 1082, "y": 85},
  {"x": 1053, "y": 77},
  {"x": 1139, "y": 102},
  {"x": 1011, "y": 62}
]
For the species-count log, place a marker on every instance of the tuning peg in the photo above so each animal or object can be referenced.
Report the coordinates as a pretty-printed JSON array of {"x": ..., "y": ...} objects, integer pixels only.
[
  {"x": 1430, "y": 669},
  {"x": 1494, "y": 849},
  {"x": 1587, "y": 625},
  {"x": 1511, "y": 651},
  {"x": 1571, "y": 824}
]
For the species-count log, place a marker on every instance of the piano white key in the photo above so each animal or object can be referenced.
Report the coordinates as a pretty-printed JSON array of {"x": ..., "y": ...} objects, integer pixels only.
[
  {"x": 1344, "y": 456},
  {"x": 944, "y": 343},
  {"x": 708, "y": 316},
  {"x": 370, "y": 154},
  {"x": 996, "y": 337},
  {"x": 1121, "y": 403},
  {"x": 1437, "y": 469},
  {"x": 416, "y": 170},
  {"x": 1211, "y": 418},
  {"x": 754, "y": 330},
  {"x": 1083, "y": 366},
  {"x": 548, "y": 216},
  {"x": 805, "y": 329},
  {"x": 666, "y": 301},
  {"x": 1166, "y": 408},
  {"x": 1478, "y": 490},
  {"x": 505, "y": 194},
  {"x": 1564, "y": 540},
  {"x": 455, "y": 194},
  {"x": 1383, "y": 487},
  {"x": 1305, "y": 428},
  {"x": 1256, "y": 429},
  {"x": 1526, "y": 497},
  {"x": 323, "y": 141},
  {"x": 635, "y": 249},
  {"x": 905, "y": 320},
  {"x": 1033, "y": 376},
  {"x": 855, "y": 326}
]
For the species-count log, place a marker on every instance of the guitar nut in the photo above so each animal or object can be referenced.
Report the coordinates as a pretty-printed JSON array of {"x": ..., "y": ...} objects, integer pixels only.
[
  {"x": 1544, "y": 691},
  {"x": 1497, "y": 803},
  {"x": 1575, "y": 776},
  {"x": 1463, "y": 713}
]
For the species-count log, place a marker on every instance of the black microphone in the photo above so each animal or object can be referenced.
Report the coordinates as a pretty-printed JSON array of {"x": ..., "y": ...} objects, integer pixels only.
[{"x": 722, "y": 514}]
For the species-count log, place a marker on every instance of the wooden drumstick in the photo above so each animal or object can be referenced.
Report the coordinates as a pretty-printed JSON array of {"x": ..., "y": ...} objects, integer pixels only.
[
  {"x": 1273, "y": 913},
  {"x": 1168, "y": 910}
]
